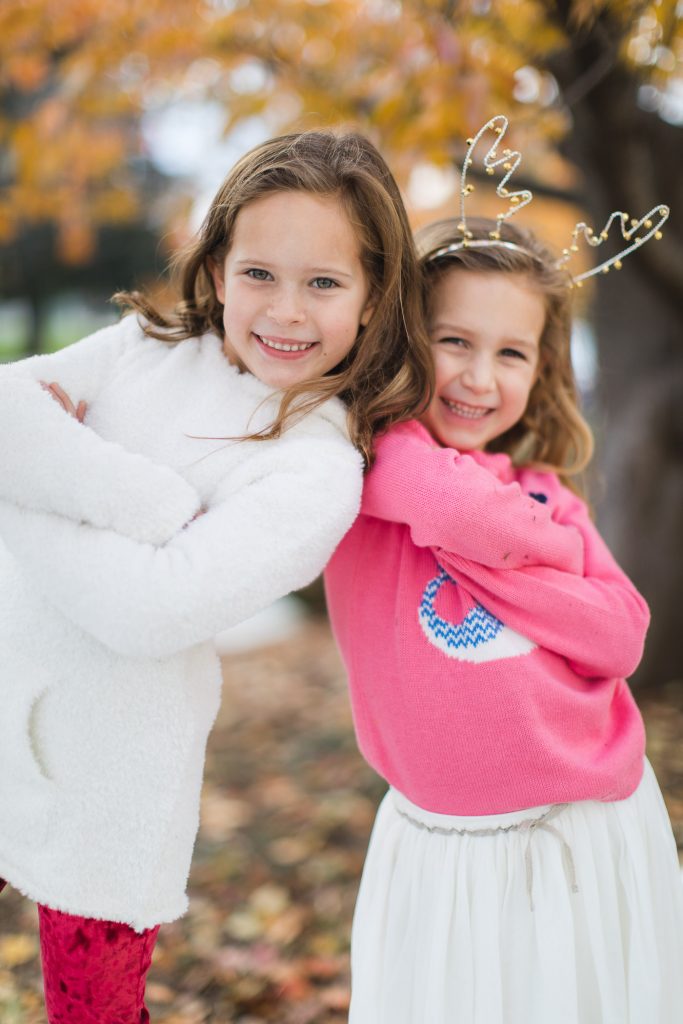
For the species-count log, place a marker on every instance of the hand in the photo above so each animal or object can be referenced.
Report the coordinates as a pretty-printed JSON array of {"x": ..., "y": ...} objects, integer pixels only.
[{"x": 59, "y": 395}]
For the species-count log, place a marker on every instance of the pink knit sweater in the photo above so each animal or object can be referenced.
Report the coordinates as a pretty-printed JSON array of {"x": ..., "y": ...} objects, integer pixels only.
[{"x": 486, "y": 631}]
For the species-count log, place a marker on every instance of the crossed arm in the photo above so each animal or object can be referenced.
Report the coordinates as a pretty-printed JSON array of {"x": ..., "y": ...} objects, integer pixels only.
[
  {"x": 545, "y": 571},
  {"x": 51, "y": 462},
  {"x": 132, "y": 572},
  {"x": 272, "y": 531}
]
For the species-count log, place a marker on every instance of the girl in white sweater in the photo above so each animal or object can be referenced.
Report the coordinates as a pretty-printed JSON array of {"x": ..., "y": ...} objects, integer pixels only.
[{"x": 217, "y": 465}]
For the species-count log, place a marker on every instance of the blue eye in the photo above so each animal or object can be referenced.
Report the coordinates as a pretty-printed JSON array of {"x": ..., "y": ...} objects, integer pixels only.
[
  {"x": 256, "y": 274},
  {"x": 324, "y": 283}
]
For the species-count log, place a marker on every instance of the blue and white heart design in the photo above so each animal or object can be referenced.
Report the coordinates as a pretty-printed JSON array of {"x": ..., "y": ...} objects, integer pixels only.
[{"x": 479, "y": 637}]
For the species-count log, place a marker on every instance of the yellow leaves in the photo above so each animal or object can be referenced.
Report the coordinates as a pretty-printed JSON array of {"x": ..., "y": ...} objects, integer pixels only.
[
  {"x": 517, "y": 32},
  {"x": 8, "y": 221},
  {"x": 50, "y": 153},
  {"x": 222, "y": 815},
  {"x": 191, "y": 1013},
  {"x": 25, "y": 71},
  {"x": 114, "y": 206},
  {"x": 66, "y": 143},
  {"x": 269, "y": 901},
  {"x": 268, "y": 914},
  {"x": 75, "y": 241},
  {"x": 584, "y": 12},
  {"x": 17, "y": 949},
  {"x": 289, "y": 850},
  {"x": 34, "y": 203},
  {"x": 50, "y": 118},
  {"x": 654, "y": 47},
  {"x": 412, "y": 74},
  {"x": 318, "y": 52},
  {"x": 157, "y": 993}
]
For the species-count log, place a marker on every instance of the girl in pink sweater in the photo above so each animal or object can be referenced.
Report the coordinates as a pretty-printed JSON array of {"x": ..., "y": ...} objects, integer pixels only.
[{"x": 522, "y": 868}]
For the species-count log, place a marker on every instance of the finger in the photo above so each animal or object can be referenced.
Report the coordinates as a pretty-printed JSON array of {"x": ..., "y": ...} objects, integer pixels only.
[
  {"x": 62, "y": 396},
  {"x": 50, "y": 388},
  {"x": 81, "y": 411}
]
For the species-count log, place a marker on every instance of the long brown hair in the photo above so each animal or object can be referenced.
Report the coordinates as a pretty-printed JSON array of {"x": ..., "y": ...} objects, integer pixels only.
[
  {"x": 552, "y": 434},
  {"x": 388, "y": 374}
]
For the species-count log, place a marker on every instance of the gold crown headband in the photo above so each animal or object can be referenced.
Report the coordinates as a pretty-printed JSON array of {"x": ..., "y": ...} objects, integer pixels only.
[{"x": 508, "y": 160}]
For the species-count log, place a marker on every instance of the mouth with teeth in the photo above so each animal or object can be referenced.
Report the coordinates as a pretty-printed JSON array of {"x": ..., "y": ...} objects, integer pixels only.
[
  {"x": 283, "y": 349},
  {"x": 467, "y": 412}
]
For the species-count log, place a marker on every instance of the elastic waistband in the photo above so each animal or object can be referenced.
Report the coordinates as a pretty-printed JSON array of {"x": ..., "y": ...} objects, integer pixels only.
[
  {"x": 469, "y": 823},
  {"x": 529, "y": 821}
]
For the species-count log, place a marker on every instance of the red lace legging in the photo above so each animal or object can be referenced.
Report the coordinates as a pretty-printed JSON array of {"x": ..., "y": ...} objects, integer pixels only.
[{"x": 93, "y": 971}]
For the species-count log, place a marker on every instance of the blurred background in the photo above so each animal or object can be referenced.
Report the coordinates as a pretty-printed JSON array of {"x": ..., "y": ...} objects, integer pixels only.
[{"x": 117, "y": 123}]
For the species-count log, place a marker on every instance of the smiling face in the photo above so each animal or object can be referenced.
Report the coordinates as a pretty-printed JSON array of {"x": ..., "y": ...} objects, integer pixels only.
[
  {"x": 293, "y": 288},
  {"x": 485, "y": 330}
]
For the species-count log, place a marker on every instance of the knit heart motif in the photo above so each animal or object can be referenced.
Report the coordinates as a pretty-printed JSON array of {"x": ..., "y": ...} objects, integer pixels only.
[{"x": 478, "y": 637}]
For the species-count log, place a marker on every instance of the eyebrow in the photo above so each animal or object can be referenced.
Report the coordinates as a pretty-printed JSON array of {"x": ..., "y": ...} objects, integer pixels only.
[
  {"x": 457, "y": 331},
  {"x": 315, "y": 271}
]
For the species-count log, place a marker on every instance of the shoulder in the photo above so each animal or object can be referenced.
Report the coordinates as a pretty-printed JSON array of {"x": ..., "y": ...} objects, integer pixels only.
[
  {"x": 133, "y": 329},
  {"x": 409, "y": 431},
  {"x": 125, "y": 338},
  {"x": 329, "y": 420},
  {"x": 321, "y": 441},
  {"x": 126, "y": 333},
  {"x": 193, "y": 358},
  {"x": 403, "y": 439},
  {"x": 313, "y": 452}
]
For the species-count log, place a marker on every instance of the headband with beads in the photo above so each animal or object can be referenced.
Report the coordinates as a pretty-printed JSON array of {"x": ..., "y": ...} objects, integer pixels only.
[
  {"x": 652, "y": 222},
  {"x": 508, "y": 160}
]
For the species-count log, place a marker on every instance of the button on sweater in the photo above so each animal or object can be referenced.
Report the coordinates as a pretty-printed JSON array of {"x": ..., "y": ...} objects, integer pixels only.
[{"x": 487, "y": 633}]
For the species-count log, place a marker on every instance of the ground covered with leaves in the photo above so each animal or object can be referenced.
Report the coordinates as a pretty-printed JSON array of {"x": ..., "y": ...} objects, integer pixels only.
[{"x": 286, "y": 813}]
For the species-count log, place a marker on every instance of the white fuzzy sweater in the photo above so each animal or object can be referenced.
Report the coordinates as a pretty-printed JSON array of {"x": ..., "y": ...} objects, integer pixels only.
[{"x": 108, "y": 605}]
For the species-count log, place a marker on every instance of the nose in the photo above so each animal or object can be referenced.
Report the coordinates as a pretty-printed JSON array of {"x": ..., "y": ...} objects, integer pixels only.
[
  {"x": 286, "y": 307},
  {"x": 478, "y": 375}
]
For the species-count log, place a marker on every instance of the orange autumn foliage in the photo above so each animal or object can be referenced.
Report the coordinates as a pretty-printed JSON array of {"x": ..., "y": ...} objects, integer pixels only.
[{"x": 418, "y": 75}]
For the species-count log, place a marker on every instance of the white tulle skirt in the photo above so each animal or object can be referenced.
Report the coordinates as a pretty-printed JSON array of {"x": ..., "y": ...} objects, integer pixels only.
[{"x": 574, "y": 919}]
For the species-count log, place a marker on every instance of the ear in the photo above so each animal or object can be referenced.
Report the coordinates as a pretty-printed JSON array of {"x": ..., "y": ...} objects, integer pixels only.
[
  {"x": 217, "y": 271},
  {"x": 367, "y": 312},
  {"x": 541, "y": 363}
]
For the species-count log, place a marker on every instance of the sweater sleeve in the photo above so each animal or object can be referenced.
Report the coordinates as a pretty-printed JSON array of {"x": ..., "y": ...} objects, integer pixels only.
[
  {"x": 50, "y": 462},
  {"x": 281, "y": 514},
  {"x": 596, "y": 618},
  {"x": 450, "y": 502}
]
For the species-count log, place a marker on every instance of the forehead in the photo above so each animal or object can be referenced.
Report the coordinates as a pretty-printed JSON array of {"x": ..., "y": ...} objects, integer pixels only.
[
  {"x": 495, "y": 298},
  {"x": 320, "y": 223}
]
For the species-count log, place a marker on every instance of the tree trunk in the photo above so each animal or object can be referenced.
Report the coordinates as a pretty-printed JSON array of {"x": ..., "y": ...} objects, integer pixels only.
[
  {"x": 36, "y": 325},
  {"x": 630, "y": 160},
  {"x": 641, "y": 458}
]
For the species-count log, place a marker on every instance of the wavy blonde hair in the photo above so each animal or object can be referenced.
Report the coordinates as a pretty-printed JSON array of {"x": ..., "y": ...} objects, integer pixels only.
[
  {"x": 552, "y": 434},
  {"x": 387, "y": 376}
]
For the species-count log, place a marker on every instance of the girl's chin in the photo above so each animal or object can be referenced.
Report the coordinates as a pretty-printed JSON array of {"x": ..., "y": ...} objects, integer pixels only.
[{"x": 465, "y": 435}]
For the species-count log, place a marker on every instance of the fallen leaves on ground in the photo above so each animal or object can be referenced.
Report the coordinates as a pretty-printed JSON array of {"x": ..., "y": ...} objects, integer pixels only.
[{"x": 286, "y": 813}]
